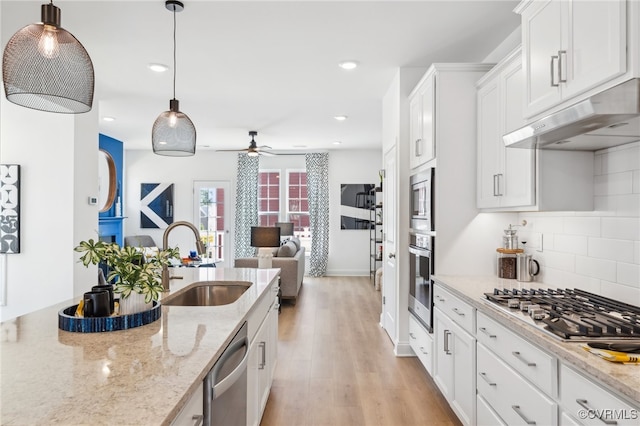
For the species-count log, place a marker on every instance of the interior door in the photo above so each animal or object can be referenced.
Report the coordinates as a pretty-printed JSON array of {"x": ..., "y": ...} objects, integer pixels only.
[
  {"x": 389, "y": 286},
  {"x": 211, "y": 200}
]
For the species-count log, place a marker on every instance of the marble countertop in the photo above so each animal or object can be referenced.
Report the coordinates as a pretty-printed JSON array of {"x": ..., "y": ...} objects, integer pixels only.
[
  {"x": 139, "y": 376},
  {"x": 622, "y": 378}
]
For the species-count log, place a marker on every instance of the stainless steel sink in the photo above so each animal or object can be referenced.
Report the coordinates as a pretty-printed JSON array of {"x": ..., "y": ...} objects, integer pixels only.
[{"x": 209, "y": 293}]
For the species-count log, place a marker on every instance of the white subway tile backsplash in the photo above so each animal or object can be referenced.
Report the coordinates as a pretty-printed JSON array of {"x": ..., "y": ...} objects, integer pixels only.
[
  {"x": 628, "y": 274},
  {"x": 636, "y": 252},
  {"x": 624, "y": 293},
  {"x": 623, "y": 159},
  {"x": 560, "y": 261},
  {"x": 621, "y": 228},
  {"x": 604, "y": 248},
  {"x": 627, "y": 205},
  {"x": 589, "y": 226},
  {"x": 596, "y": 268},
  {"x": 636, "y": 182},
  {"x": 617, "y": 183},
  {"x": 576, "y": 244}
]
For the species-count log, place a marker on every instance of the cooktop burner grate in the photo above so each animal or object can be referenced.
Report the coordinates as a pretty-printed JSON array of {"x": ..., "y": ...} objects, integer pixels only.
[{"x": 571, "y": 314}]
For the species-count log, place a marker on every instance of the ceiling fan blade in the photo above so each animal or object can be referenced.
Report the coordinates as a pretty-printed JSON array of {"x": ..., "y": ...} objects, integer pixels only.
[
  {"x": 267, "y": 153},
  {"x": 230, "y": 150},
  {"x": 264, "y": 147}
]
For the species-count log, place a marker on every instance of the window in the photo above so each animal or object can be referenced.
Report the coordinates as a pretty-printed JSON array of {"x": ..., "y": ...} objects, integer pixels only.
[
  {"x": 297, "y": 202},
  {"x": 268, "y": 197},
  {"x": 210, "y": 212}
]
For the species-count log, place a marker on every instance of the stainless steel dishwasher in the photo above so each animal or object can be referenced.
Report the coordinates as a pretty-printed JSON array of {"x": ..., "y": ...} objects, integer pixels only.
[{"x": 225, "y": 387}]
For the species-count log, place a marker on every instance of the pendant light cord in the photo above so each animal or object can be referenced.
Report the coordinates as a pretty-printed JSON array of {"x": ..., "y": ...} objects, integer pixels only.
[{"x": 174, "y": 52}]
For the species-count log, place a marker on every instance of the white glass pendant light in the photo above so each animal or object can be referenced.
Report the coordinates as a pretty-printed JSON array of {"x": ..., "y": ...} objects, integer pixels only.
[
  {"x": 45, "y": 67},
  {"x": 173, "y": 133}
]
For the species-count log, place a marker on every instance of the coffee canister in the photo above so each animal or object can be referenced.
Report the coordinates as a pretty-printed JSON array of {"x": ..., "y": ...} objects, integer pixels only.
[{"x": 507, "y": 262}]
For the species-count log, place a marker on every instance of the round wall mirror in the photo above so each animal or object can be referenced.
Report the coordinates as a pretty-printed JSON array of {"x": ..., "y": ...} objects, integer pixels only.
[{"x": 107, "y": 182}]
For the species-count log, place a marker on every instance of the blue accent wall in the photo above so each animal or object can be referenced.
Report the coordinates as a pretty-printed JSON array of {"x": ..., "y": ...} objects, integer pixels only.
[{"x": 110, "y": 224}]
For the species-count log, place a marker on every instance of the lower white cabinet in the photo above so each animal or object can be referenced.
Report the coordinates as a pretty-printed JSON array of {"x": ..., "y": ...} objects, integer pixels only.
[
  {"x": 421, "y": 342},
  {"x": 485, "y": 416},
  {"x": 454, "y": 366},
  {"x": 192, "y": 413},
  {"x": 262, "y": 360}
]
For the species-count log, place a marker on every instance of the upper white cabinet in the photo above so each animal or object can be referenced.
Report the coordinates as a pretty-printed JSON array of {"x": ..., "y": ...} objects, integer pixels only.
[
  {"x": 421, "y": 130},
  {"x": 505, "y": 176},
  {"x": 570, "y": 46}
]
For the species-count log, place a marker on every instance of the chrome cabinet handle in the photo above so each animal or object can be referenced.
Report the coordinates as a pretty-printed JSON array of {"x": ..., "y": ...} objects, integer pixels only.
[
  {"x": 418, "y": 147},
  {"x": 412, "y": 336},
  {"x": 554, "y": 58},
  {"x": 447, "y": 350},
  {"x": 500, "y": 194},
  {"x": 440, "y": 298},
  {"x": 484, "y": 376},
  {"x": 495, "y": 190},
  {"x": 198, "y": 418},
  {"x": 517, "y": 355},
  {"x": 391, "y": 255},
  {"x": 423, "y": 351},
  {"x": 484, "y": 330},
  {"x": 516, "y": 408},
  {"x": 583, "y": 404},
  {"x": 458, "y": 312},
  {"x": 560, "y": 67},
  {"x": 263, "y": 348}
]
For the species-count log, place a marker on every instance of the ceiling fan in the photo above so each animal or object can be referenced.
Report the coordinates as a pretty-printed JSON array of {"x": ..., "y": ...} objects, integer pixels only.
[{"x": 254, "y": 150}]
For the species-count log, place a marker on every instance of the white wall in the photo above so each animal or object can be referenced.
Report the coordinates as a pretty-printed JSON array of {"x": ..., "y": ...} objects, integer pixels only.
[
  {"x": 58, "y": 155},
  {"x": 597, "y": 251},
  {"x": 348, "y": 250}
]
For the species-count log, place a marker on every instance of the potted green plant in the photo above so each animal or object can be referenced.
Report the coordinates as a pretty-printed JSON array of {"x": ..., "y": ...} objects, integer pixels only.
[{"x": 131, "y": 270}]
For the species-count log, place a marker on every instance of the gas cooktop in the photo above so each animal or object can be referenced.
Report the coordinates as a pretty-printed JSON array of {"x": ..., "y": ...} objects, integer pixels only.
[{"x": 570, "y": 314}]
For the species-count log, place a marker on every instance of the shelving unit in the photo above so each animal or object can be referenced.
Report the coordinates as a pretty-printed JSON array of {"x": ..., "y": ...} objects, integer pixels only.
[{"x": 375, "y": 231}]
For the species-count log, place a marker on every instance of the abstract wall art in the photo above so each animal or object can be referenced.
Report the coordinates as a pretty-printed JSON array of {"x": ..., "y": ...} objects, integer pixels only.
[
  {"x": 356, "y": 201},
  {"x": 9, "y": 208},
  {"x": 156, "y": 205}
]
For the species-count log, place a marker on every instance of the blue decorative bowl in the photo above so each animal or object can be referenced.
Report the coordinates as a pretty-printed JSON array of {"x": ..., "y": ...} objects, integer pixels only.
[{"x": 67, "y": 320}]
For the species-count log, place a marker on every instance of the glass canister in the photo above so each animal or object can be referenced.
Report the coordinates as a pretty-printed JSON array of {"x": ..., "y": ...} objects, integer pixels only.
[{"x": 507, "y": 262}]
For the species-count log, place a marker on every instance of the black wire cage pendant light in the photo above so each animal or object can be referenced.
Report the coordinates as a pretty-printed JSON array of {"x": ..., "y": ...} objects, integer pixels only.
[
  {"x": 45, "y": 67},
  {"x": 173, "y": 133}
]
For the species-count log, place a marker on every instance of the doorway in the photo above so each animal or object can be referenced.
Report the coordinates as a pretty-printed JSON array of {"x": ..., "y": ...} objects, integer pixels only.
[{"x": 211, "y": 216}]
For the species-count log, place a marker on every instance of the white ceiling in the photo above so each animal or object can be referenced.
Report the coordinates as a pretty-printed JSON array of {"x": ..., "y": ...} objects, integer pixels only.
[{"x": 264, "y": 65}]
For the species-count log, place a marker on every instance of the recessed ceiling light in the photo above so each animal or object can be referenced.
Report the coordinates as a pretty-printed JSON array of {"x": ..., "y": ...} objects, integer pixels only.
[
  {"x": 348, "y": 65},
  {"x": 340, "y": 117},
  {"x": 337, "y": 143},
  {"x": 107, "y": 118},
  {"x": 299, "y": 146},
  {"x": 205, "y": 146},
  {"x": 158, "y": 67}
]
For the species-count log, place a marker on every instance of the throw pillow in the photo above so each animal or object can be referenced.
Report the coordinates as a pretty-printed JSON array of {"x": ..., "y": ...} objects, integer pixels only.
[
  {"x": 287, "y": 250},
  {"x": 295, "y": 241}
]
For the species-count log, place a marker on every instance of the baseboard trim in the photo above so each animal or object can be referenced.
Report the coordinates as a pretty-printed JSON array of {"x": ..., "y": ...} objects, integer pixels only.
[{"x": 403, "y": 349}]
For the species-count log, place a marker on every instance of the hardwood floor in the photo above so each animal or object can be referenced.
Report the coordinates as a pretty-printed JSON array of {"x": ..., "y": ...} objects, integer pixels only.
[{"x": 336, "y": 364}]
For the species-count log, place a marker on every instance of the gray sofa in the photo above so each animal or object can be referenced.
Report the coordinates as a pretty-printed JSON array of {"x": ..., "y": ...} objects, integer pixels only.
[{"x": 290, "y": 259}]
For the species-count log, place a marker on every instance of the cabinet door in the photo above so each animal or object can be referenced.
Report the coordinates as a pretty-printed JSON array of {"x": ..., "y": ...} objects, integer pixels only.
[
  {"x": 518, "y": 165},
  {"x": 192, "y": 413},
  {"x": 443, "y": 360},
  {"x": 595, "y": 39},
  {"x": 489, "y": 148},
  {"x": 464, "y": 375},
  {"x": 427, "y": 149},
  {"x": 415, "y": 129},
  {"x": 541, "y": 38}
]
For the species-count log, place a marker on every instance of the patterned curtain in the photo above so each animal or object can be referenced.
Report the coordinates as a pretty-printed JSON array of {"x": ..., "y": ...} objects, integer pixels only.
[
  {"x": 318, "y": 194},
  {"x": 246, "y": 204}
]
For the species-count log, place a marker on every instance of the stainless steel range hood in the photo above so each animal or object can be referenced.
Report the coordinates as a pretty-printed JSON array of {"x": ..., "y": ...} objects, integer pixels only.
[{"x": 610, "y": 118}]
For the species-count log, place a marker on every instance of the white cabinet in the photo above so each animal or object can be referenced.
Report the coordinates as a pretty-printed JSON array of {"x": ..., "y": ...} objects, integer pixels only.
[
  {"x": 193, "y": 412},
  {"x": 421, "y": 128},
  {"x": 506, "y": 177},
  {"x": 421, "y": 342},
  {"x": 570, "y": 46},
  {"x": 262, "y": 356},
  {"x": 517, "y": 179},
  {"x": 454, "y": 367},
  {"x": 591, "y": 403}
]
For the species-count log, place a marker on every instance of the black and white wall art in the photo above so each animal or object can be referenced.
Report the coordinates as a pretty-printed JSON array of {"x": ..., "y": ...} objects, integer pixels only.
[
  {"x": 356, "y": 201},
  {"x": 156, "y": 205},
  {"x": 9, "y": 208}
]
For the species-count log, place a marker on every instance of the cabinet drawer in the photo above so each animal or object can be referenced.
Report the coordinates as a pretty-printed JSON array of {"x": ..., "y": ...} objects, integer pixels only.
[
  {"x": 529, "y": 361},
  {"x": 582, "y": 397},
  {"x": 485, "y": 416},
  {"x": 260, "y": 311},
  {"x": 514, "y": 399},
  {"x": 460, "y": 312},
  {"x": 421, "y": 342}
]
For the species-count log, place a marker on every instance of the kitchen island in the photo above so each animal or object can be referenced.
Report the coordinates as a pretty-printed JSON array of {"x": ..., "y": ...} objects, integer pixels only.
[
  {"x": 623, "y": 379},
  {"x": 140, "y": 376}
]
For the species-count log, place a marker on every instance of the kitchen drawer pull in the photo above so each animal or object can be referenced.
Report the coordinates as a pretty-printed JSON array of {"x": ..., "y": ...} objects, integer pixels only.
[
  {"x": 517, "y": 355},
  {"x": 553, "y": 83},
  {"x": 458, "y": 312},
  {"x": 516, "y": 408},
  {"x": 440, "y": 298},
  {"x": 447, "y": 333},
  {"x": 199, "y": 418},
  {"x": 583, "y": 404},
  {"x": 495, "y": 185},
  {"x": 423, "y": 351},
  {"x": 560, "y": 67},
  {"x": 484, "y": 330},
  {"x": 412, "y": 336},
  {"x": 484, "y": 376},
  {"x": 263, "y": 348}
]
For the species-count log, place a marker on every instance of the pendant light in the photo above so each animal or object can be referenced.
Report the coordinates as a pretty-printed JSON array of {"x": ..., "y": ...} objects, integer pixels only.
[
  {"x": 173, "y": 133},
  {"x": 45, "y": 67}
]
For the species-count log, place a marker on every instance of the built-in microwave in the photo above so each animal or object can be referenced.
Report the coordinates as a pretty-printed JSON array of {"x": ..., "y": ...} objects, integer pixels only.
[{"x": 422, "y": 200}]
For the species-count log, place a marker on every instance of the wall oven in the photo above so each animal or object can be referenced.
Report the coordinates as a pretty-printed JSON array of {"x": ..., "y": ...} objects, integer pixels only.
[
  {"x": 422, "y": 200},
  {"x": 420, "y": 284}
]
